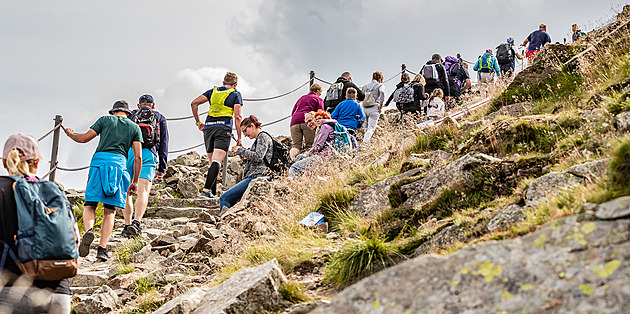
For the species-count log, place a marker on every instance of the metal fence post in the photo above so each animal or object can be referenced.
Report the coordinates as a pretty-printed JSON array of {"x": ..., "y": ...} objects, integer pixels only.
[
  {"x": 312, "y": 78},
  {"x": 55, "y": 148},
  {"x": 404, "y": 68}
]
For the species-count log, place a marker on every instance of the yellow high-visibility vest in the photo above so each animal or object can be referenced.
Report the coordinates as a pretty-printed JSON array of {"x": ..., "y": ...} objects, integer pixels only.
[{"x": 217, "y": 103}]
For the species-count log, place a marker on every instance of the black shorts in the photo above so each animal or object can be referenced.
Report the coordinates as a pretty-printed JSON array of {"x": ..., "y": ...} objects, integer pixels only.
[
  {"x": 95, "y": 204},
  {"x": 217, "y": 138}
]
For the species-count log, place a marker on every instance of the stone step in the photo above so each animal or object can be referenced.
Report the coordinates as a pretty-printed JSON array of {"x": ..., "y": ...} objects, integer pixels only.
[
  {"x": 168, "y": 212},
  {"x": 188, "y": 202}
]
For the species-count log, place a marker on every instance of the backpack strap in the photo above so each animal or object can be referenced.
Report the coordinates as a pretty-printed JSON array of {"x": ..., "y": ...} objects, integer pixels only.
[
  {"x": 267, "y": 163},
  {"x": 6, "y": 251}
]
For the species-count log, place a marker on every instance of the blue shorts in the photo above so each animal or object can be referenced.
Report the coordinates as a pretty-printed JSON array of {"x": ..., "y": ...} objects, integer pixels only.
[{"x": 149, "y": 164}]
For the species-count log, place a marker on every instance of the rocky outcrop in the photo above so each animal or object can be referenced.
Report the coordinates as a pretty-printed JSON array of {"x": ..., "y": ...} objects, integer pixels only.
[
  {"x": 552, "y": 184},
  {"x": 622, "y": 121},
  {"x": 437, "y": 179},
  {"x": 103, "y": 300},
  {"x": 575, "y": 264},
  {"x": 251, "y": 290}
]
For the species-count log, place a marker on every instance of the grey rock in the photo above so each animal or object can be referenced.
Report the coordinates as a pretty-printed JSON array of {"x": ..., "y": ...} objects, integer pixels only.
[
  {"x": 592, "y": 115},
  {"x": 173, "y": 202},
  {"x": 591, "y": 170},
  {"x": 374, "y": 199},
  {"x": 184, "y": 303},
  {"x": 333, "y": 236},
  {"x": 207, "y": 203},
  {"x": 506, "y": 218},
  {"x": 444, "y": 238},
  {"x": 104, "y": 300},
  {"x": 305, "y": 308},
  {"x": 622, "y": 121},
  {"x": 439, "y": 158},
  {"x": 248, "y": 291},
  {"x": 164, "y": 239},
  {"x": 570, "y": 265},
  {"x": 617, "y": 208},
  {"x": 174, "y": 212},
  {"x": 188, "y": 242},
  {"x": 188, "y": 188},
  {"x": 211, "y": 233},
  {"x": 142, "y": 255},
  {"x": 437, "y": 179},
  {"x": 88, "y": 277},
  {"x": 191, "y": 158},
  {"x": 551, "y": 184}
]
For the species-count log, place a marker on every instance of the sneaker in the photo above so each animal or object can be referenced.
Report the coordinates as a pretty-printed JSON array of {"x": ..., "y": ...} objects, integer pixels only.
[
  {"x": 208, "y": 194},
  {"x": 125, "y": 232},
  {"x": 134, "y": 229},
  {"x": 102, "y": 254},
  {"x": 84, "y": 247}
]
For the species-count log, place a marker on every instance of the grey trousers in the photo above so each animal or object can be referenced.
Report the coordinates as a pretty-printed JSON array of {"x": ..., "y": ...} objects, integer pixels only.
[{"x": 371, "y": 118}]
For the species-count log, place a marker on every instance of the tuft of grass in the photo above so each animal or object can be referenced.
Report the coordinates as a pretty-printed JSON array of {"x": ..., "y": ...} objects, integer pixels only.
[
  {"x": 358, "y": 259},
  {"x": 619, "y": 107},
  {"x": 434, "y": 139},
  {"x": 293, "y": 292},
  {"x": 121, "y": 269},
  {"x": 620, "y": 168},
  {"x": 349, "y": 223},
  {"x": 289, "y": 249},
  {"x": 147, "y": 303},
  {"x": 125, "y": 251},
  {"x": 336, "y": 200}
]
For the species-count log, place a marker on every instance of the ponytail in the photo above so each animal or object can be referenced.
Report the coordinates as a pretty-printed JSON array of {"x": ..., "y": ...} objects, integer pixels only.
[
  {"x": 15, "y": 166},
  {"x": 249, "y": 121}
]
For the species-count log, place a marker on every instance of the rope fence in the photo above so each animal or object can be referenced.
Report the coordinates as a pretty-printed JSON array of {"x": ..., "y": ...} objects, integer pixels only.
[{"x": 311, "y": 80}]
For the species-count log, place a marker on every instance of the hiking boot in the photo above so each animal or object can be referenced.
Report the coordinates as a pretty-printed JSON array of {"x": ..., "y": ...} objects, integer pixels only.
[
  {"x": 125, "y": 232},
  {"x": 101, "y": 254},
  {"x": 134, "y": 229},
  {"x": 84, "y": 247},
  {"x": 208, "y": 194}
]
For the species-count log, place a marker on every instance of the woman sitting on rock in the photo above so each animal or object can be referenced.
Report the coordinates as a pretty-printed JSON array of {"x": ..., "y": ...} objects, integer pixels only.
[
  {"x": 322, "y": 146},
  {"x": 255, "y": 166}
]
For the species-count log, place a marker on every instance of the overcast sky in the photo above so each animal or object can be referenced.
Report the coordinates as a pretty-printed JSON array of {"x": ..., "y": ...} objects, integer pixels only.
[{"x": 76, "y": 58}]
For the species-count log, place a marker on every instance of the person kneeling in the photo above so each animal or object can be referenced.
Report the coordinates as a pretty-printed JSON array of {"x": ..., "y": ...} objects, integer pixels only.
[{"x": 255, "y": 157}]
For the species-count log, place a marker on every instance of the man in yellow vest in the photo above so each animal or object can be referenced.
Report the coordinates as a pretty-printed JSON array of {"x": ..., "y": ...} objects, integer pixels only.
[{"x": 225, "y": 111}]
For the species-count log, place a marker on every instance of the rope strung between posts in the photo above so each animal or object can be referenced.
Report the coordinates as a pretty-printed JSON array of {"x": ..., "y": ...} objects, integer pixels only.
[
  {"x": 45, "y": 135},
  {"x": 246, "y": 99},
  {"x": 411, "y": 72},
  {"x": 391, "y": 78},
  {"x": 325, "y": 82}
]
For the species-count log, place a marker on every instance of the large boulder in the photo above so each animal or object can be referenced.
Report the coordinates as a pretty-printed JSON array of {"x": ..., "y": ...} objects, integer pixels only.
[
  {"x": 437, "y": 179},
  {"x": 251, "y": 290},
  {"x": 554, "y": 183},
  {"x": 191, "y": 159},
  {"x": 103, "y": 300},
  {"x": 572, "y": 265}
]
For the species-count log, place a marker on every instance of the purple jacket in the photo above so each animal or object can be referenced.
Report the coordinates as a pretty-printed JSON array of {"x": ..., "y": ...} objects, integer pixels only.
[
  {"x": 325, "y": 138},
  {"x": 307, "y": 103}
]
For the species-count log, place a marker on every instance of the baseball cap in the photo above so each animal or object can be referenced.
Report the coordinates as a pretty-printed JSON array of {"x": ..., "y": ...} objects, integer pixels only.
[
  {"x": 489, "y": 50},
  {"x": 120, "y": 105},
  {"x": 146, "y": 98},
  {"x": 510, "y": 39},
  {"x": 23, "y": 142}
]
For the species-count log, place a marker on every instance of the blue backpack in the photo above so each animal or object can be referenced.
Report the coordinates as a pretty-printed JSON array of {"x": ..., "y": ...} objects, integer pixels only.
[
  {"x": 48, "y": 236},
  {"x": 343, "y": 140}
]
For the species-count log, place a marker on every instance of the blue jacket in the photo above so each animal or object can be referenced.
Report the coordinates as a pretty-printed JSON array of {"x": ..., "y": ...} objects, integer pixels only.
[
  {"x": 108, "y": 179},
  {"x": 494, "y": 64},
  {"x": 161, "y": 149},
  {"x": 349, "y": 114}
]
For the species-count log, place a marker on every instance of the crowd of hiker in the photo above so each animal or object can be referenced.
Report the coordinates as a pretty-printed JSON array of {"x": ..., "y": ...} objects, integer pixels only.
[{"x": 132, "y": 153}]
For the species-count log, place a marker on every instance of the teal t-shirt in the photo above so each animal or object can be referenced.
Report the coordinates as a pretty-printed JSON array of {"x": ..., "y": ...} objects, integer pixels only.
[{"x": 117, "y": 134}]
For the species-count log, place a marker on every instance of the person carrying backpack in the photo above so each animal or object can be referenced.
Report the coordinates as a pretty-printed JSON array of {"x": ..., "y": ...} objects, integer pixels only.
[
  {"x": 348, "y": 113},
  {"x": 406, "y": 97},
  {"x": 337, "y": 92},
  {"x": 372, "y": 104},
  {"x": 435, "y": 75},
  {"x": 506, "y": 56},
  {"x": 154, "y": 156},
  {"x": 458, "y": 78},
  {"x": 436, "y": 105},
  {"x": 20, "y": 158},
  {"x": 301, "y": 136},
  {"x": 487, "y": 68},
  {"x": 109, "y": 182},
  {"x": 256, "y": 161},
  {"x": 419, "y": 97},
  {"x": 536, "y": 41},
  {"x": 577, "y": 33},
  {"x": 332, "y": 139}
]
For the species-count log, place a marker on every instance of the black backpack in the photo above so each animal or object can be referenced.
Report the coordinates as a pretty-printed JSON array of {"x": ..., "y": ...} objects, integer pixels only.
[
  {"x": 280, "y": 158},
  {"x": 503, "y": 54},
  {"x": 149, "y": 126},
  {"x": 334, "y": 95}
]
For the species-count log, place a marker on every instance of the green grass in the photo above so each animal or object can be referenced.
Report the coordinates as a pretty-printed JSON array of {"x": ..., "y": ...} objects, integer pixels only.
[
  {"x": 125, "y": 251},
  {"x": 438, "y": 138},
  {"x": 336, "y": 200},
  {"x": 359, "y": 259},
  {"x": 293, "y": 292}
]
